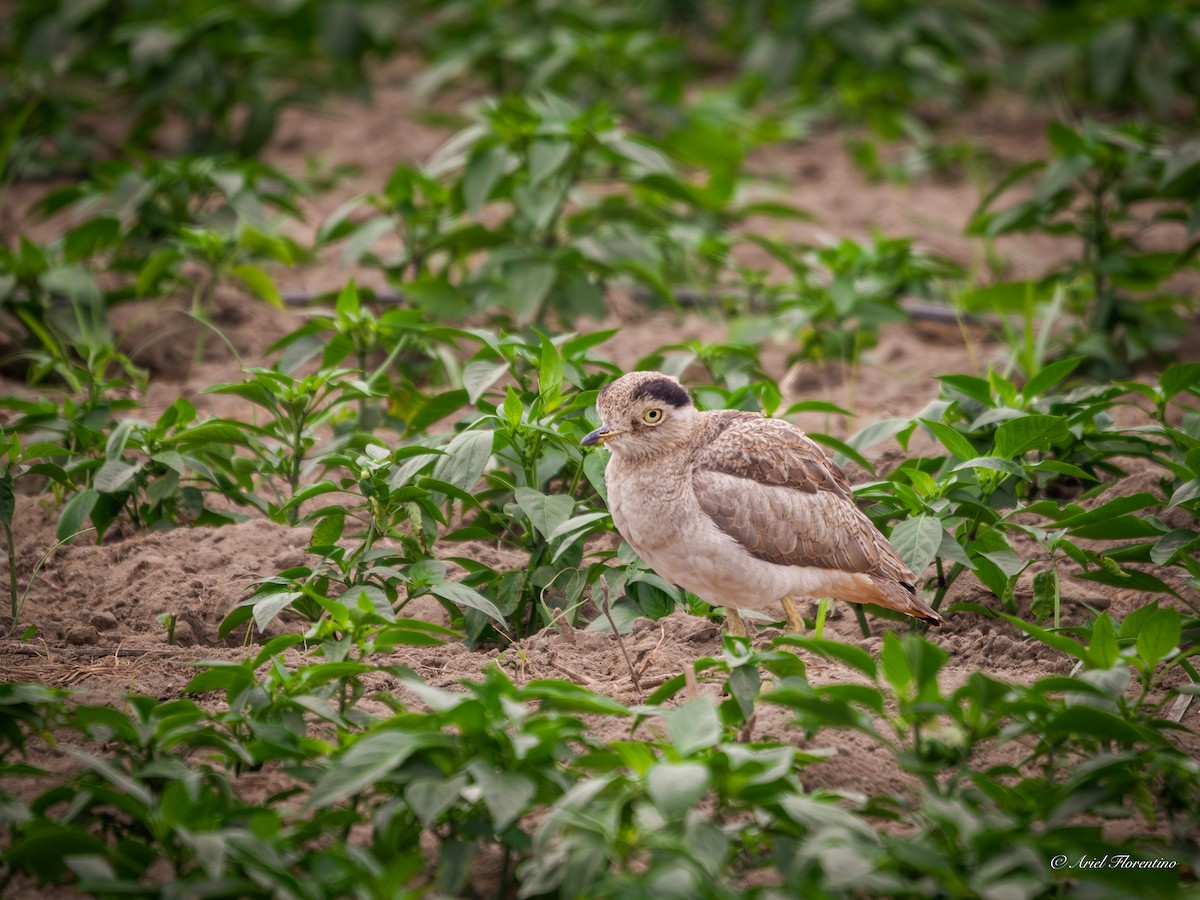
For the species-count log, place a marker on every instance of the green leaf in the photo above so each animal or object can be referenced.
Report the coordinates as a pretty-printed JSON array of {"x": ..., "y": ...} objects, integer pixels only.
[
  {"x": 550, "y": 375},
  {"x": 895, "y": 665},
  {"x": 327, "y": 530},
  {"x": 75, "y": 513},
  {"x": 566, "y": 696},
  {"x": 1046, "y": 594},
  {"x": 674, "y": 788},
  {"x": 546, "y": 157},
  {"x": 1082, "y": 720},
  {"x": 463, "y": 596},
  {"x": 1049, "y": 376},
  {"x": 479, "y": 375},
  {"x": 506, "y": 795},
  {"x": 951, "y": 439},
  {"x": 481, "y": 177},
  {"x": 528, "y": 284},
  {"x": 1169, "y": 545},
  {"x": 853, "y": 656},
  {"x": 546, "y": 513},
  {"x": 367, "y": 762},
  {"x": 115, "y": 476},
  {"x": 1034, "y": 432},
  {"x": 917, "y": 540},
  {"x": 1057, "y": 641},
  {"x": 465, "y": 459},
  {"x": 1158, "y": 636},
  {"x": 1102, "y": 648},
  {"x": 260, "y": 283},
  {"x": 695, "y": 725},
  {"x": 1183, "y": 377}
]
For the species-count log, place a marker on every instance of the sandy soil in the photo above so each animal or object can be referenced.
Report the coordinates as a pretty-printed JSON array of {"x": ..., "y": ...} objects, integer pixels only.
[{"x": 96, "y": 608}]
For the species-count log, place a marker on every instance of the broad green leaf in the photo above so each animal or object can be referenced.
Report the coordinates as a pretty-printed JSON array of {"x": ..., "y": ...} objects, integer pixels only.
[
  {"x": 528, "y": 284},
  {"x": 550, "y": 374},
  {"x": 465, "y": 458},
  {"x": 1049, "y": 376},
  {"x": 1036, "y": 432},
  {"x": 951, "y": 439},
  {"x": 566, "y": 696},
  {"x": 1082, "y": 720},
  {"x": 695, "y": 725},
  {"x": 896, "y": 669},
  {"x": 546, "y": 513},
  {"x": 366, "y": 763},
  {"x": 347, "y": 304},
  {"x": 676, "y": 787},
  {"x": 917, "y": 540},
  {"x": 115, "y": 475},
  {"x": 1045, "y": 594},
  {"x": 1183, "y": 377},
  {"x": 75, "y": 513},
  {"x": 479, "y": 375},
  {"x": 546, "y": 157},
  {"x": 267, "y": 607},
  {"x": 463, "y": 596},
  {"x": 1166, "y": 548},
  {"x": 507, "y": 795},
  {"x": 481, "y": 176},
  {"x": 260, "y": 283},
  {"x": 1159, "y": 634},
  {"x": 327, "y": 530},
  {"x": 1058, "y": 641},
  {"x": 853, "y": 656},
  {"x": 1102, "y": 648}
]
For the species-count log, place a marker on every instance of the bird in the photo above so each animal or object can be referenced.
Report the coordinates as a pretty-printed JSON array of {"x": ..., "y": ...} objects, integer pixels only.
[{"x": 743, "y": 510}]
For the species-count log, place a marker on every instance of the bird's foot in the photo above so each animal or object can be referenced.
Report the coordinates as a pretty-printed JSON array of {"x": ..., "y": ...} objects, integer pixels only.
[
  {"x": 737, "y": 625},
  {"x": 795, "y": 621}
]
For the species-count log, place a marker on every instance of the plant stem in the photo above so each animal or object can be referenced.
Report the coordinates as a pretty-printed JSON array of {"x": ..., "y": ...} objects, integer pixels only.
[{"x": 12, "y": 569}]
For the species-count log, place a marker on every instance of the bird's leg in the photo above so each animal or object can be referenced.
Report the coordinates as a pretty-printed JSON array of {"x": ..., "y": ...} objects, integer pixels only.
[
  {"x": 794, "y": 620},
  {"x": 737, "y": 626},
  {"x": 861, "y": 615}
]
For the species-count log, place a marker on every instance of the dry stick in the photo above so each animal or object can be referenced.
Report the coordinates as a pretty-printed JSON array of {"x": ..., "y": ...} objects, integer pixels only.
[
  {"x": 577, "y": 677},
  {"x": 662, "y": 636},
  {"x": 637, "y": 684}
]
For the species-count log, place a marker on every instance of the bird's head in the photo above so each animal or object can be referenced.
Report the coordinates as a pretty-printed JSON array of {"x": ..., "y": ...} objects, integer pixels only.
[{"x": 643, "y": 414}]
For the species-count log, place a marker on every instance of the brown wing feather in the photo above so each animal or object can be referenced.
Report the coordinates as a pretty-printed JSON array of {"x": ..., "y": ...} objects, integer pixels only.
[{"x": 774, "y": 490}]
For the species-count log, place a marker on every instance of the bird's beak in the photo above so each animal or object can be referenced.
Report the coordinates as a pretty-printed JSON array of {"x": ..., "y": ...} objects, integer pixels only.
[{"x": 599, "y": 436}]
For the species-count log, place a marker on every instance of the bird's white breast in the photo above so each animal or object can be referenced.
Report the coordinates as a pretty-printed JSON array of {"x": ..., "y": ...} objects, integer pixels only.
[{"x": 655, "y": 509}]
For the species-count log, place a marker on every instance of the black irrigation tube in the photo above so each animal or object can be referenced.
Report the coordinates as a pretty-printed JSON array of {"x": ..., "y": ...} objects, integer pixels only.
[{"x": 917, "y": 309}]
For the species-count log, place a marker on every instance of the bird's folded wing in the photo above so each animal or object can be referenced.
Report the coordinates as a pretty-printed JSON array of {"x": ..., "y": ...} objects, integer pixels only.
[{"x": 767, "y": 485}]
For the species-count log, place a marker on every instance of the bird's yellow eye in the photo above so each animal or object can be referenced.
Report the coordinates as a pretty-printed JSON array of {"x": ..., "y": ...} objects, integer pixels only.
[{"x": 652, "y": 416}]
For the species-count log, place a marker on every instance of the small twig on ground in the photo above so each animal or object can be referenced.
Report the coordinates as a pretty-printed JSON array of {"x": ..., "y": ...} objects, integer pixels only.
[
  {"x": 633, "y": 673},
  {"x": 662, "y": 636},
  {"x": 571, "y": 673}
]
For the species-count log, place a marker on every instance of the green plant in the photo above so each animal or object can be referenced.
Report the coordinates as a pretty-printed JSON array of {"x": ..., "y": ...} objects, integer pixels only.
[
  {"x": 19, "y": 463},
  {"x": 225, "y": 71},
  {"x": 155, "y": 222},
  {"x": 547, "y": 166},
  {"x": 844, "y": 293},
  {"x": 1105, "y": 186},
  {"x": 156, "y": 474}
]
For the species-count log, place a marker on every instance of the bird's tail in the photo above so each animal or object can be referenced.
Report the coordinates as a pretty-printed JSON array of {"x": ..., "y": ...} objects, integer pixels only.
[
  {"x": 902, "y": 597},
  {"x": 898, "y": 595}
]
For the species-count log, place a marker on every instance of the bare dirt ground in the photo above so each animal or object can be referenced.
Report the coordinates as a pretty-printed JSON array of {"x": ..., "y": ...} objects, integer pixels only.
[{"x": 96, "y": 608}]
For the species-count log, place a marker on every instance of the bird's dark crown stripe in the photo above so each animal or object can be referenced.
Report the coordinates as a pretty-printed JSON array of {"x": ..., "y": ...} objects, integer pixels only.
[{"x": 661, "y": 389}]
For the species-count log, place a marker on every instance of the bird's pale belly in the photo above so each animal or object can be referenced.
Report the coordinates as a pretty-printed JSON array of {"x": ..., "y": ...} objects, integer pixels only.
[{"x": 684, "y": 548}]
